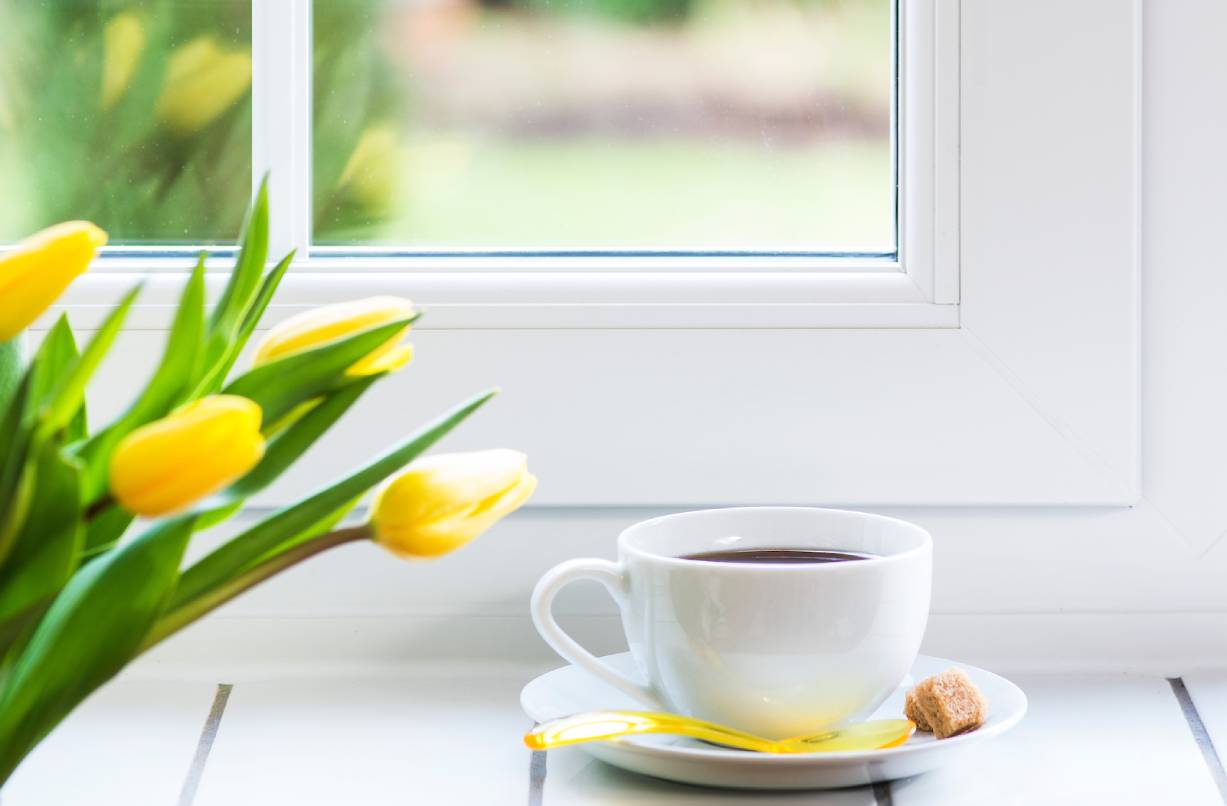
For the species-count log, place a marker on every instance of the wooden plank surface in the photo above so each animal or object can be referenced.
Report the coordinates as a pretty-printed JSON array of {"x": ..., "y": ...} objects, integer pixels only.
[
  {"x": 131, "y": 744},
  {"x": 441, "y": 737},
  {"x": 453, "y": 736},
  {"x": 1206, "y": 711},
  {"x": 1085, "y": 740}
]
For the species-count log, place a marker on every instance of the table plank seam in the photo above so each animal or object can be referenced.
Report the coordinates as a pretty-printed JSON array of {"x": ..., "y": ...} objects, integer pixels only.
[
  {"x": 882, "y": 795},
  {"x": 1198, "y": 728},
  {"x": 205, "y": 745},
  {"x": 536, "y": 776}
]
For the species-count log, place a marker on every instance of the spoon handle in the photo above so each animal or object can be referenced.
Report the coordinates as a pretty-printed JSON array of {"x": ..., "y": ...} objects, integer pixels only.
[
  {"x": 877, "y": 734},
  {"x": 598, "y": 725}
]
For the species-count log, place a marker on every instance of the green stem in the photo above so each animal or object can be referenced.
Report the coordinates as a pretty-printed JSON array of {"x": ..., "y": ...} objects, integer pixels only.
[{"x": 210, "y": 600}]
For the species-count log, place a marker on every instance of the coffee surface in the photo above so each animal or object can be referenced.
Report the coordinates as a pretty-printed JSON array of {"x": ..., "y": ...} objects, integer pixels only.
[{"x": 779, "y": 556}]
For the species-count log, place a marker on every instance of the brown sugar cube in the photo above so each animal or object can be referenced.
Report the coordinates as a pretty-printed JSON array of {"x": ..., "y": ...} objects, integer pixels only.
[
  {"x": 911, "y": 710},
  {"x": 946, "y": 704}
]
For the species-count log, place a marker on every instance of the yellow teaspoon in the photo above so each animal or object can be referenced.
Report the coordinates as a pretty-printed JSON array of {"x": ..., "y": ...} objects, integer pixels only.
[{"x": 598, "y": 725}]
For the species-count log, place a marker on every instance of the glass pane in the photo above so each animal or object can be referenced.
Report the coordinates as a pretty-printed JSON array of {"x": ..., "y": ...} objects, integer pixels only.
[
  {"x": 136, "y": 115},
  {"x": 536, "y": 125}
]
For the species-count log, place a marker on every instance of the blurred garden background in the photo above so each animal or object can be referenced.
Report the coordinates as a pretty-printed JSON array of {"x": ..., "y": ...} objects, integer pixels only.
[{"x": 466, "y": 124}]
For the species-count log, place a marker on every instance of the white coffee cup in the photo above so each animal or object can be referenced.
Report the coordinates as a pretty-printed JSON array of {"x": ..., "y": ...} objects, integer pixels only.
[{"x": 775, "y": 649}]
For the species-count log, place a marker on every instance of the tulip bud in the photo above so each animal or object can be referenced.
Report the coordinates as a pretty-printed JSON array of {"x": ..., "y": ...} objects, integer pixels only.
[
  {"x": 439, "y": 503},
  {"x": 36, "y": 271},
  {"x": 123, "y": 39},
  {"x": 168, "y": 464},
  {"x": 313, "y": 328},
  {"x": 202, "y": 82}
]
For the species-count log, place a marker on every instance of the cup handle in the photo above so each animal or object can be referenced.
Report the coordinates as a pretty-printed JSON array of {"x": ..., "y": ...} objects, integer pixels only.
[{"x": 612, "y": 576}]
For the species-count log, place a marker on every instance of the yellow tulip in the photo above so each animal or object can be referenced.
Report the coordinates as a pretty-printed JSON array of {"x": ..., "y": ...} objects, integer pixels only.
[
  {"x": 202, "y": 81},
  {"x": 35, "y": 272},
  {"x": 371, "y": 172},
  {"x": 313, "y": 328},
  {"x": 168, "y": 464},
  {"x": 439, "y": 503},
  {"x": 123, "y": 39}
]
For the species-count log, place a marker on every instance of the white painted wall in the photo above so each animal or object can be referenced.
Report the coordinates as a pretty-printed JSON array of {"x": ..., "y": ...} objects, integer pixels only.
[{"x": 1144, "y": 586}]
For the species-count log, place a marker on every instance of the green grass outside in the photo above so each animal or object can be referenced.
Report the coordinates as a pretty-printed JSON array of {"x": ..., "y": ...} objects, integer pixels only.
[{"x": 558, "y": 194}]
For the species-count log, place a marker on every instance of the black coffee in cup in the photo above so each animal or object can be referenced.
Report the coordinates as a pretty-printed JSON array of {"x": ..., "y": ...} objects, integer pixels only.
[{"x": 771, "y": 556}]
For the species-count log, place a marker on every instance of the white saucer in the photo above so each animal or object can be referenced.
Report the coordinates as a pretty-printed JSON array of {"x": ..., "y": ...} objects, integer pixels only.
[{"x": 571, "y": 690}]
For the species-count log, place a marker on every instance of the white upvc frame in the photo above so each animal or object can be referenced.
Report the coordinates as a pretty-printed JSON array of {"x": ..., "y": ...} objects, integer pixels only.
[
  {"x": 996, "y": 364},
  {"x": 917, "y": 288},
  {"x": 281, "y": 118}
]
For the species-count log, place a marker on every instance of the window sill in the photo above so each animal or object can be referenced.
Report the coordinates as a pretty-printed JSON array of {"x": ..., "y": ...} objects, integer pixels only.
[{"x": 470, "y": 297}]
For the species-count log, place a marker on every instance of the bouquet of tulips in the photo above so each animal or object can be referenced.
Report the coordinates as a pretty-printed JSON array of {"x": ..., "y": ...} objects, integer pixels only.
[{"x": 81, "y": 597}]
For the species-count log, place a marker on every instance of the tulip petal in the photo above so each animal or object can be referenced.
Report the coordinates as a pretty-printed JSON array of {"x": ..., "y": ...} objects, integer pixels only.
[
  {"x": 442, "y": 502},
  {"x": 384, "y": 360},
  {"x": 35, "y": 273},
  {"x": 168, "y": 464},
  {"x": 444, "y": 486},
  {"x": 311, "y": 329},
  {"x": 279, "y": 387}
]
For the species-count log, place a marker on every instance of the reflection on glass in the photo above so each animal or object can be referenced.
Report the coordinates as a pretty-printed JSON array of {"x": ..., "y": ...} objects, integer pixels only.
[
  {"x": 135, "y": 114},
  {"x": 604, "y": 124}
]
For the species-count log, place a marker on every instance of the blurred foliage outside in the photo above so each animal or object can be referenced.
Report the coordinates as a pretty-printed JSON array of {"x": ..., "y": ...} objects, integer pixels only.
[
  {"x": 453, "y": 124},
  {"x": 605, "y": 124},
  {"x": 136, "y": 115}
]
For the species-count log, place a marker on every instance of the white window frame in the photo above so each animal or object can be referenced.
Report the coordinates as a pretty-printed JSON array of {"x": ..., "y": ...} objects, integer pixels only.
[
  {"x": 918, "y": 288},
  {"x": 994, "y": 364}
]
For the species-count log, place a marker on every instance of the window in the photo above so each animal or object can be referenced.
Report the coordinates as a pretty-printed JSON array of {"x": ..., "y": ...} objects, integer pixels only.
[
  {"x": 512, "y": 126},
  {"x": 985, "y": 355},
  {"x": 605, "y": 125},
  {"x": 136, "y": 115}
]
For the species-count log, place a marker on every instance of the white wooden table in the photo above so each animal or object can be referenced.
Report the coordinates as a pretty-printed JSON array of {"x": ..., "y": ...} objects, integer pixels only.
[{"x": 451, "y": 735}]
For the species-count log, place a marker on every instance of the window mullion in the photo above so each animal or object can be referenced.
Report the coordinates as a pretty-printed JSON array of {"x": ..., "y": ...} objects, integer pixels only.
[{"x": 281, "y": 107}]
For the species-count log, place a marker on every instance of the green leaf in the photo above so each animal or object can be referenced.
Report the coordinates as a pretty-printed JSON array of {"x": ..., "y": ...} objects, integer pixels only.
[
  {"x": 268, "y": 288},
  {"x": 322, "y": 526},
  {"x": 57, "y": 361},
  {"x": 166, "y": 389},
  {"x": 14, "y": 515},
  {"x": 54, "y": 359},
  {"x": 44, "y": 553},
  {"x": 104, "y": 530},
  {"x": 78, "y": 427},
  {"x": 279, "y": 386},
  {"x": 215, "y": 375},
  {"x": 184, "y": 353},
  {"x": 12, "y": 368},
  {"x": 69, "y": 390},
  {"x": 236, "y": 299},
  {"x": 95, "y": 626},
  {"x": 290, "y": 523},
  {"x": 14, "y": 635},
  {"x": 15, "y": 436},
  {"x": 212, "y": 514},
  {"x": 12, "y": 432},
  {"x": 289, "y": 445},
  {"x": 174, "y": 620}
]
